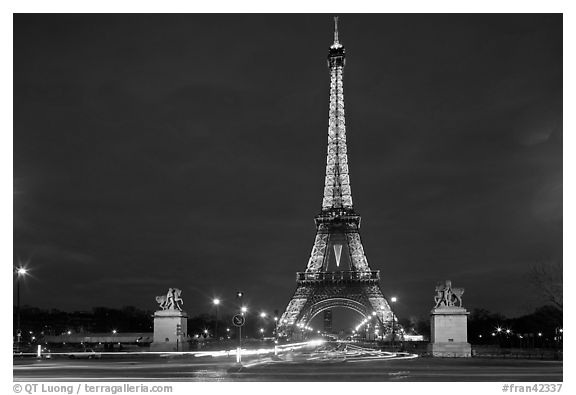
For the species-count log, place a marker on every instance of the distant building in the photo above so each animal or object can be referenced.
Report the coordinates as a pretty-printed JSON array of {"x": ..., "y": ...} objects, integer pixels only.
[
  {"x": 413, "y": 338},
  {"x": 100, "y": 340},
  {"x": 328, "y": 321}
]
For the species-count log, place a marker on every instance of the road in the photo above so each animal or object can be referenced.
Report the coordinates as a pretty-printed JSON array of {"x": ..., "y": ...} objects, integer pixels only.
[{"x": 316, "y": 365}]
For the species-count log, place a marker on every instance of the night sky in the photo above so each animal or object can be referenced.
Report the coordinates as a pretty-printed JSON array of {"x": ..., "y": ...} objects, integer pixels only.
[{"x": 156, "y": 151}]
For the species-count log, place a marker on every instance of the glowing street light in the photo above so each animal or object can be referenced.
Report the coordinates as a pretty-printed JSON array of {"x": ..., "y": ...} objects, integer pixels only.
[
  {"x": 393, "y": 299},
  {"x": 20, "y": 272},
  {"x": 243, "y": 310},
  {"x": 262, "y": 315},
  {"x": 114, "y": 331},
  {"x": 216, "y": 303}
]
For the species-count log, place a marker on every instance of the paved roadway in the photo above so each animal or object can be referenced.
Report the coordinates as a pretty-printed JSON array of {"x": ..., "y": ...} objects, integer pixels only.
[{"x": 297, "y": 366}]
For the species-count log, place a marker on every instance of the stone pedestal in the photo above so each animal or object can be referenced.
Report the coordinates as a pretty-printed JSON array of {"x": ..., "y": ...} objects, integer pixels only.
[
  {"x": 167, "y": 337},
  {"x": 449, "y": 332}
]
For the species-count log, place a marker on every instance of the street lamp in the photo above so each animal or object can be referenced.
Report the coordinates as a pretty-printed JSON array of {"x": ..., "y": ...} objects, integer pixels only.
[
  {"x": 20, "y": 272},
  {"x": 274, "y": 331},
  {"x": 216, "y": 303},
  {"x": 393, "y": 299},
  {"x": 263, "y": 316}
]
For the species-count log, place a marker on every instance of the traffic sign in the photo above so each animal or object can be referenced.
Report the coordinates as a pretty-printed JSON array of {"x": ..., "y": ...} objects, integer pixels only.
[{"x": 238, "y": 320}]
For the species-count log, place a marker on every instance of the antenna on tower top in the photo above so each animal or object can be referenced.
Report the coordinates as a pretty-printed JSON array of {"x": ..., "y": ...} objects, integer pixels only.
[{"x": 336, "y": 30}]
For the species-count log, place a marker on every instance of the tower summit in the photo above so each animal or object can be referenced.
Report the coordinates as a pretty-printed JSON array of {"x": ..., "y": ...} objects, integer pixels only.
[
  {"x": 337, "y": 191},
  {"x": 337, "y": 274}
]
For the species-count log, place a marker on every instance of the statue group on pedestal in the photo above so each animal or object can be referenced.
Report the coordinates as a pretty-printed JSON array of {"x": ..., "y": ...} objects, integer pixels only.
[
  {"x": 171, "y": 301},
  {"x": 446, "y": 296}
]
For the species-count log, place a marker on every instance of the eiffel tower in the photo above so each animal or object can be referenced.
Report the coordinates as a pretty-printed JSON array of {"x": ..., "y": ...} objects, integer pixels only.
[{"x": 337, "y": 238}]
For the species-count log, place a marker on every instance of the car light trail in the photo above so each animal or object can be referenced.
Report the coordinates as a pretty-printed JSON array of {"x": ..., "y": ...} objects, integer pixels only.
[{"x": 217, "y": 353}]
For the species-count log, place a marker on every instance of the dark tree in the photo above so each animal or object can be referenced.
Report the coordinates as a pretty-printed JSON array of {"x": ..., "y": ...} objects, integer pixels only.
[{"x": 547, "y": 280}]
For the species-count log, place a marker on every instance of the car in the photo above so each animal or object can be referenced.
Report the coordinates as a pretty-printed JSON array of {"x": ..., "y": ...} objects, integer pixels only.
[
  {"x": 45, "y": 353},
  {"x": 31, "y": 350},
  {"x": 88, "y": 353}
]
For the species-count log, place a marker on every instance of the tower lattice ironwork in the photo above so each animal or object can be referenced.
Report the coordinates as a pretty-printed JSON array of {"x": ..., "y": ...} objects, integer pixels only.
[{"x": 324, "y": 285}]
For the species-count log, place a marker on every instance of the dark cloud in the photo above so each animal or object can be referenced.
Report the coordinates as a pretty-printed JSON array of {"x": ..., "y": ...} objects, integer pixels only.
[{"x": 188, "y": 150}]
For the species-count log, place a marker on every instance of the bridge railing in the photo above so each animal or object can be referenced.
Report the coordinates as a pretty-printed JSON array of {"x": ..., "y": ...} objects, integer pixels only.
[{"x": 373, "y": 275}]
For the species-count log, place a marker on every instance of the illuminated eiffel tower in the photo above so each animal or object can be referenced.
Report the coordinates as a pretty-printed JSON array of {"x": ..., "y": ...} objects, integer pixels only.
[{"x": 337, "y": 242}]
